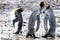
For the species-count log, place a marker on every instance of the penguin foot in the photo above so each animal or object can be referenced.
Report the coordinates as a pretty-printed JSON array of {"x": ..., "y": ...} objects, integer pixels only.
[
  {"x": 34, "y": 36},
  {"x": 28, "y": 35},
  {"x": 46, "y": 35}
]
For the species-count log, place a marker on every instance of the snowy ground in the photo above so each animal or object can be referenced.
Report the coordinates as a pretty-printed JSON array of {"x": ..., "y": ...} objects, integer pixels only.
[{"x": 7, "y": 29}]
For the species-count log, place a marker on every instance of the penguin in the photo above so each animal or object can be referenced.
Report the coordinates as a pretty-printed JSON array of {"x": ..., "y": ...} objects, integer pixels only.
[
  {"x": 49, "y": 16},
  {"x": 19, "y": 19}
]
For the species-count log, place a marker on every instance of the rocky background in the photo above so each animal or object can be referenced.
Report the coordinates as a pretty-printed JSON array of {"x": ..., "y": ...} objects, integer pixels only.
[{"x": 6, "y": 17}]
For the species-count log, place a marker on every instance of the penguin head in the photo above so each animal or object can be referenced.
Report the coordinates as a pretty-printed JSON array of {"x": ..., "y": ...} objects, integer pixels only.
[
  {"x": 42, "y": 4},
  {"x": 19, "y": 10},
  {"x": 47, "y": 6}
]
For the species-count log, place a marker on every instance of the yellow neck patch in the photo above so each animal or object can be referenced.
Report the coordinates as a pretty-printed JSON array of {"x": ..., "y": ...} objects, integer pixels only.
[
  {"x": 46, "y": 5},
  {"x": 43, "y": 14},
  {"x": 14, "y": 10}
]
